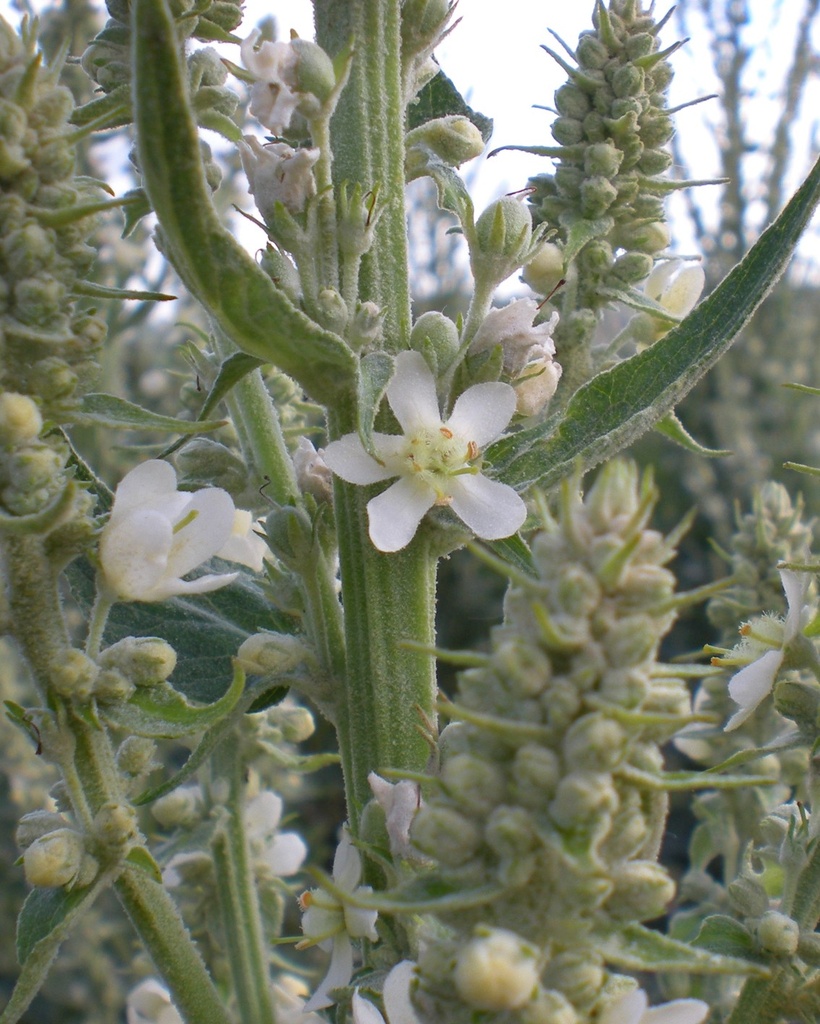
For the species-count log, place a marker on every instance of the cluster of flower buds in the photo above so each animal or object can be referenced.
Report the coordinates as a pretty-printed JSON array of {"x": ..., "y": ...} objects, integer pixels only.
[{"x": 543, "y": 788}]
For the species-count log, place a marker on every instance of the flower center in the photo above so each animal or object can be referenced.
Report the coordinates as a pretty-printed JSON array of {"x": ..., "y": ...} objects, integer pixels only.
[{"x": 438, "y": 453}]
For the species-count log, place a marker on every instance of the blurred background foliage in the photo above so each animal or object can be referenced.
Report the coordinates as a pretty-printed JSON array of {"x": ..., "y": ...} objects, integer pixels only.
[{"x": 740, "y": 406}]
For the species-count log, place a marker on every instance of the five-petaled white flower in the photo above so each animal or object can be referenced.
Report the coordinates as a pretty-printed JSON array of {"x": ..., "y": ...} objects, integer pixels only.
[
  {"x": 330, "y": 923},
  {"x": 273, "y": 96},
  {"x": 633, "y": 1008},
  {"x": 752, "y": 684},
  {"x": 437, "y": 462},
  {"x": 396, "y": 995},
  {"x": 278, "y": 173},
  {"x": 157, "y": 534}
]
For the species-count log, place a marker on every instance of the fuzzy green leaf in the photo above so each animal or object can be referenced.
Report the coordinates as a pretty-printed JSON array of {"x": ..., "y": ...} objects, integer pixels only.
[
  {"x": 616, "y": 407},
  {"x": 670, "y": 426},
  {"x": 110, "y": 411},
  {"x": 140, "y": 857},
  {"x": 257, "y": 316},
  {"x": 636, "y": 948},
  {"x": 440, "y": 98},
  {"x": 724, "y": 935},
  {"x": 423, "y": 894},
  {"x": 375, "y": 371}
]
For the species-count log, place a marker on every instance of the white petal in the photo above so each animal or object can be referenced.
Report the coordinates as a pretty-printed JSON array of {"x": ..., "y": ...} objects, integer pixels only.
[
  {"x": 397, "y": 1002},
  {"x": 244, "y": 545},
  {"x": 482, "y": 412},
  {"x": 795, "y": 587},
  {"x": 679, "y": 1011},
  {"x": 348, "y": 459},
  {"x": 208, "y": 531},
  {"x": 626, "y": 1009},
  {"x": 151, "y": 484},
  {"x": 347, "y": 863},
  {"x": 412, "y": 393},
  {"x": 263, "y": 814},
  {"x": 753, "y": 684},
  {"x": 285, "y": 854},
  {"x": 360, "y": 923},
  {"x": 134, "y": 553},
  {"x": 491, "y": 509},
  {"x": 338, "y": 975},
  {"x": 364, "y": 1012},
  {"x": 395, "y": 514}
]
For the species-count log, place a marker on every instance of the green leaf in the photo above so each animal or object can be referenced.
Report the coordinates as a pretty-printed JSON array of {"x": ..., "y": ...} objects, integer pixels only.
[
  {"x": 140, "y": 857},
  {"x": 134, "y": 212},
  {"x": 636, "y": 948},
  {"x": 375, "y": 371},
  {"x": 583, "y": 231},
  {"x": 423, "y": 894},
  {"x": 453, "y": 195},
  {"x": 440, "y": 98},
  {"x": 160, "y": 712},
  {"x": 115, "y": 106},
  {"x": 256, "y": 315},
  {"x": 44, "y": 922},
  {"x": 670, "y": 426},
  {"x": 675, "y": 782},
  {"x": 110, "y": 411},
  {"x": 205, "y": 630},
  {"x": 722, "y": 934},
  {"x": 616, "y": 407}
]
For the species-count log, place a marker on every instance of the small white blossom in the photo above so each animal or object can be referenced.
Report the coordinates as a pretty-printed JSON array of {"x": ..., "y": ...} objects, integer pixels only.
[
  {"x": 331, "y": 924},
  {"x": 312, "y": 472},
  {"x": 273, "y": 98},
  {"x": 675, "y": 286},
  {"x": 150, "y": 1003},
  {"x": 633, "y": 1008},
  {"x": 436, "y": 461},
  {"x": 399, "y": 801},
  {"x": 244, "y": 545},
  {"x": 396, "y": 995},
  {"x": 512, "y": 328},
  {"x": 497, "y": 970},
  {"x": 278, "y": 173},
  {"x": 752, "y": 684},
  {"x": 283, "y": 853},
  {"x": 535, "y": 385},
  {"x": 157, "y": 534}
]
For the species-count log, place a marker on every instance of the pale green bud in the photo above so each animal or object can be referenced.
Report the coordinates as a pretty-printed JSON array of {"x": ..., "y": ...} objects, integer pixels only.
[
  {"x": 33, "y": 467},
  {"x": 313, "y": 74},
  {"x": 525, "y": 667},
  {"x": 570, "y": 101},
  {"x": 503, "y": 235},
  {"x": 549, "y": 1008},
  {"x": 597, "y": 195},
  {"x": 591, "y": 52},
  {"x": 536, "y": 771},
  {"x": 437, "y": 331},
  {"x": 453, "y": 140},
  {"x": 73, "y": 676},
  {"x": 36, "y": 824},
  {"x": 333, "y": 310},
  {"x": 111, "y": 686},
  {"x": 582, "y": 797},
  {"x": 567, "y": 131},
  {"x": 115, "y": 825},
  {"x": 748, "y": 896},
  {"x": 778, "y": 934},
  {"x": 579, "y": 975},
  {"x": 57, "y": 858},
  {"x": 593, "y": 743},
  {"x": 144, "y": 660},
  {"x": 297, "y": 723},
  {"x": 182, "y": 807},
  {"x": 545, "y": 269},
  {"x": 444, "y": 834},
  {"x": 281, "y": 271},
  {"x": 475, "y": 784},
  {"x": 643, "y": 889},
  {"x": 509, "y": 832},
  {"x": 366, "y": 326},
  {"x": 136, "y": 756},
  {"x": 497, "y": 970},
  {"x": 630, "y": 640},
  {"x": 267, "y": 653},
  {"x": 20, "y": 419}
]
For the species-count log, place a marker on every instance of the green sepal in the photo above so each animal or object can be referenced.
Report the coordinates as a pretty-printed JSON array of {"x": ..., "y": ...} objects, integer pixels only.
[
  {"x": 440, "y": 98},
  {"x": 110, "y": 411},
  {"x": 616, "y": 407},
  {"x": 221, "y": 124},
  {"x": 670, "y": 426},
  {"x": 636, "y": 948},
  {"x": 726, "y": 936},
  {"x": 115, "y": 105},
  {"x": 375, "y": 371},
  {"x": 44, "y": 521},
  {"x": 161, "y": 712},
  {"x": 740, "y": 757},
  {"x": 46, "y": 919},
  {"x": 453, "y": 196},
  {"x": 136, "y": 210},
  {"x": 257, "y": 316},
  {"x": 140, "y": 857},
  {"x": 101, "y": 291},
  {"x": 583, "y": 231}
]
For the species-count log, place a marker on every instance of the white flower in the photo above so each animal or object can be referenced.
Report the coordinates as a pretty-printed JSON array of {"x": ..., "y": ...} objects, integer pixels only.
[
  {"x": 511, "y": 327},
  {"x": 675, "y": 287},
  {"x": 150, "y": 1003},
  {"x": 536, "y": 384},
  {"x": 157, "y": 534},
  {"x": 399, "y": 801},
  {"x": 396, "y": 995},
  {"x": 752, "y": 684},
  {"x": 435, "y": 461},
  {"x": 290, "y": 994},
  {"x": 283, "y": 853},
  {"x": 633, "y": 1008},
  {"x": 497, "y": 971},
  {"x": 278, "y": 173},
  {"x": 273, "y": 98},
  {"x": 312, "y": 473},
  {"x": 244, "y": 545},
  {"x": 331, "y": 924}
]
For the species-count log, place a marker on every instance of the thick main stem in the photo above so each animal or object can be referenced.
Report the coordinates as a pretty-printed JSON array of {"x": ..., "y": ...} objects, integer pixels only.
[{"x": 387, "y": 598}]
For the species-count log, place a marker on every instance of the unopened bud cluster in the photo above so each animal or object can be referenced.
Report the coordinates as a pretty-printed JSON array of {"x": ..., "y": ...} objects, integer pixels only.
[{"x": 536, "y": 792}]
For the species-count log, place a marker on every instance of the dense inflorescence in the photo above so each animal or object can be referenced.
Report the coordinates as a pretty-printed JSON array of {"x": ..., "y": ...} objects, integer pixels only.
[{"x": 546, "y": 785}]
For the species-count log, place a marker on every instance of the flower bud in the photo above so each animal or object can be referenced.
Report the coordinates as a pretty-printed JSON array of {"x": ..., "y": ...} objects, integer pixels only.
[
  {"x": 136, "y": 756},
  {"x": 536, "y": 771},
  {"x": 144, "y": 660},
  {"x": 296, "y": 722},
  {"x": 180, "y": 808},
  {"x": 115, "y": 825},
  {"x": 593, "y": 743},
  {"x": 476, "y": 785},
  {"x": 55, "y": 859},
  {"x": 73, "y": 676},
  {"x": 312, "y": 474},
  {"x": 36, "y": 824},
  {"x": 266, "y": 653},
  {"x": 567, "y": 131},
  {"x": 525, "y": 667},
  {"x": 277, "y": 173},
  {"x": 282, "y": 272},
  {"x": 549, "y": 1008},
  {"x": 496, "y": 971},
  {"x": 778, "y": 934},
  {"x": 503, "y": 235},
  {"x": 571, "y": 101},
  {"x": 111, "y": 686},
  {"x": 453, "y": 140},
  {"x": 290, "y": 535},
  {"x": 545, "y": 269},
  {"x": 748, "y": 896},
  {"x": 333, "y": 310},
  {"x": 643, "y": 889},
  {"x": 579, "y": 975},
  {"x": 366, "y": 326},
  {"x": 582, "y": 797},
  {"x": 444, "y": 834},
  {"x": 20, "y": 419},
  {"x": 313, "y": 74},
  {"x": 437, "y": 331}
]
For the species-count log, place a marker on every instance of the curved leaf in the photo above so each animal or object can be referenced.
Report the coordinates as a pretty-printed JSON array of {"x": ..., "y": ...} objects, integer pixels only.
[
  {"x": 110, "y": 411},
  {"x": 641, "y": 949}
]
